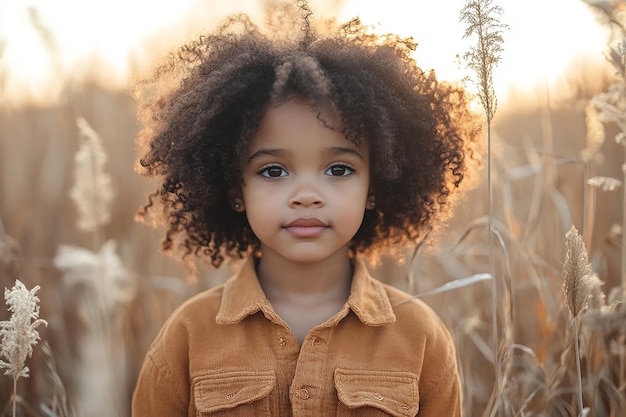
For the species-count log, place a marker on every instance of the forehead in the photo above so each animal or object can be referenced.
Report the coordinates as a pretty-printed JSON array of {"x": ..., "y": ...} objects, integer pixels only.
[{"x": 296, "y": 123}]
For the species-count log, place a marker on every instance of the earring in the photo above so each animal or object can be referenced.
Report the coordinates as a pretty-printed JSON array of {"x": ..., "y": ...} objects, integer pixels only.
[
  {"x": 238, "y": 205},
  {"x": 371, "y": 203}
]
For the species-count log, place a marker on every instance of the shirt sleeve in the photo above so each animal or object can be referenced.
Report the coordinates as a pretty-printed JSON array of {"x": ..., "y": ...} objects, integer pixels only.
[
  {"x": 163, "y": 384},
  {"x": 440, "y": 386}
]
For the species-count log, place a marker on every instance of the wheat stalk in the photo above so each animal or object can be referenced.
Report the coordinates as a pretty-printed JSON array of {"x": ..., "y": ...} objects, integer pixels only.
[
  {"x": 483, "y": 21},
  {"x": 19, "y": 333},
  {"x": 577, "y": 277},
  {"x": 578, "y": 286},
  {"x": 611, "y": 107},
  {"x": 623, "y": 270},
  {"x": 106, "y": 288},
  {"x": 92, "y": 191},
  {"x": 47, "y": 38}
]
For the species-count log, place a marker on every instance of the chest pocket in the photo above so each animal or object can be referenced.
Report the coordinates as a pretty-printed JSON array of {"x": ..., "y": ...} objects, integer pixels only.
[
  {"x": 376, "y": 393},
  {"x": 234, "y": 393}
]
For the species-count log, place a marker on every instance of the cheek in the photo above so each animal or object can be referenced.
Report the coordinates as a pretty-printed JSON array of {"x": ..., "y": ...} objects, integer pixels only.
[
  {"x": 259, "y": 207},
  {"x": 351, "y": 207},
  {"x": 258, "y": 198}
]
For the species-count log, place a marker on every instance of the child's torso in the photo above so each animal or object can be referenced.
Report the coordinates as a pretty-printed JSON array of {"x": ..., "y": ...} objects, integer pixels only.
[{"x": 346, "y": 370}]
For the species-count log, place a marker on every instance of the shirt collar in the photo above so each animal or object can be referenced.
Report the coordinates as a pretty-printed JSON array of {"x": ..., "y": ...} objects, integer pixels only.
[{"x": 243, "y": 296}]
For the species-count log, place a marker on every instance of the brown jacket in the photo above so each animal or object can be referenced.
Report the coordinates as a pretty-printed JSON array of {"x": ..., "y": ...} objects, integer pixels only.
[{"x": 225, "y": 352}]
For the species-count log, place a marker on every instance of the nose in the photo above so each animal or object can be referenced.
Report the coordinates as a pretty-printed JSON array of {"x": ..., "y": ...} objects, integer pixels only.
[{"x": 306, "y": 196}]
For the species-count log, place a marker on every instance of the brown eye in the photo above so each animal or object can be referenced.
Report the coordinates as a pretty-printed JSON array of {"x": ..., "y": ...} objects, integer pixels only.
[
  {"x": 273, "y": 172},
  {"x": 339, "y": 170}
]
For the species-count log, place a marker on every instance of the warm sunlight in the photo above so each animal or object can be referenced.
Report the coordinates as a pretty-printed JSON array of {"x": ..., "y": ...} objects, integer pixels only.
[
  {"x": 47, "y": 42},
  {"x": 125, "y": 205},
  {"x": 543, "y": 38},
  {"x": 42, "y": 42}
]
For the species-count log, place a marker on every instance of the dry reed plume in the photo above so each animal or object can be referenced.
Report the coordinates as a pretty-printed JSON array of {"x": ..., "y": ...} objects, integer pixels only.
[
  {"x": 578, "y": 286},
  {"x": 482, "y": 19},
  {"x": 19, "y": 334},
  {"x": 93, "y": 190},
  {"x": 577, "y": 277},
  {"x": 611, "y": 104},
  {"x": 102, "y": 286}
]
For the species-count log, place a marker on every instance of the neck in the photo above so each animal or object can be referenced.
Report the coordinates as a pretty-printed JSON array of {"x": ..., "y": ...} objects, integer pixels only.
[{"x": 281, "y": 278}]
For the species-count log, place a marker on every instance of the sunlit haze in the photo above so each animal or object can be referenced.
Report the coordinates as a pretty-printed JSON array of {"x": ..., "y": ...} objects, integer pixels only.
[
  {"x": 105, "y": 39},
  {"x": 544, "y": 37}
]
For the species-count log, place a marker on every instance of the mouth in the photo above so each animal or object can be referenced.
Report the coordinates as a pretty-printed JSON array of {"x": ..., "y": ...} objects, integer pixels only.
[
  {"x": 306, "y": 222},
  {"x": 306, "y": 227}
]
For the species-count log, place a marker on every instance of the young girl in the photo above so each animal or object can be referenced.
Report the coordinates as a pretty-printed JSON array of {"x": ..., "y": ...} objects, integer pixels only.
[{"x": 303, "y": 156}]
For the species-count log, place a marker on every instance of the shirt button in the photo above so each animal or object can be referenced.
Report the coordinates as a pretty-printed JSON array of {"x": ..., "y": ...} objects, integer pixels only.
[
  {"x": 281, "y": 341},
  {"x": 378, "y": 396},
  {"x": 230, "y": 396},
  {"x": 317, "y": 341},
  {"x": 304, "y": 394}
]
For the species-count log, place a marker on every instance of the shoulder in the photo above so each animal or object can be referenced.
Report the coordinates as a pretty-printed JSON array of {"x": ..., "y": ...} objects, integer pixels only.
[
  {"x": 407, "y": 306},
  {"x": 409, "y": 314},
  {"x": 418, "y": 322},
  {"x": 167, "y": 359},
  {"x": 204, "y": 302},
  {"x": 198, "y": 310}
]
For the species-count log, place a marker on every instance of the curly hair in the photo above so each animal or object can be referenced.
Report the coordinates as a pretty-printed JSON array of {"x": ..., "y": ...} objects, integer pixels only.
[{"x": 419, "y": 130}]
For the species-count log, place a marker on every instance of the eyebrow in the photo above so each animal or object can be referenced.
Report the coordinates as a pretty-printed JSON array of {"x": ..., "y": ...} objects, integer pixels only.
[
  {"x": 335, "y": 150},
  {"x": 265, "y": 152},
  {"x": 344, "y": 150}
]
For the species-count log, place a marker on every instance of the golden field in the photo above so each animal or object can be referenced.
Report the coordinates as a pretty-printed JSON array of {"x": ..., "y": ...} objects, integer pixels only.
[{"x": 106, "y": 292}]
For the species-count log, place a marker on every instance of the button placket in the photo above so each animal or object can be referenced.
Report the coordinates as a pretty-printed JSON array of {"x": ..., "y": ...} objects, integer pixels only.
[
  {"x": 303, "y": 394},
  {"x": 305, "y": 387}
]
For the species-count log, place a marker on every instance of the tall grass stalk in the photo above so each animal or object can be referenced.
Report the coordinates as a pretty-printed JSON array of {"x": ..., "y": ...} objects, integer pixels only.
[
  {"x": 47, "y": 38},
  {"x": 589, "y": 198},
  {"x": 624, "y": 227},
  {"x": 483, "y": 21},
  {"x": 19, "y": 333},
  {"x": 611, "y": 107},
  {"x": 102, "y": 289},
  {"x": 98, "y": 281},
  {"x": 595, "y": 137},
  {"x": 92, "y": 191},
  {"x": 578, "y": 285}
]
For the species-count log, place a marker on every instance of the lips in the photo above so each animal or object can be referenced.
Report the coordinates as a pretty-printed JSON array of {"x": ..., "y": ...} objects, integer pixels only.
[
  {"x": 306, "y": 227},
  {"x": 306, "y": 222}
]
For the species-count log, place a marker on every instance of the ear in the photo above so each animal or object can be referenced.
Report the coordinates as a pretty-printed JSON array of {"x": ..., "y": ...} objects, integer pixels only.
[
  {"x": 371, "y": 202},
  {"x": 236, "y": 201}
]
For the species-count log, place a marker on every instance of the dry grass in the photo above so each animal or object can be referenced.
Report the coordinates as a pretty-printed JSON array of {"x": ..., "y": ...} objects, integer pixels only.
[{"x": 540, "y": 190}]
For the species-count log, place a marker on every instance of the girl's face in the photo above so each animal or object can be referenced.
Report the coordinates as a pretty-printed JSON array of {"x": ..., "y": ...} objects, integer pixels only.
[{"x": 305, "y": 185}]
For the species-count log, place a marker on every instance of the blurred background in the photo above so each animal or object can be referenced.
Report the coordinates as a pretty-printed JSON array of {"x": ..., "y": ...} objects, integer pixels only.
[
  {"x": 66, "y": 69},
  {"x": 47, "y": 44}
]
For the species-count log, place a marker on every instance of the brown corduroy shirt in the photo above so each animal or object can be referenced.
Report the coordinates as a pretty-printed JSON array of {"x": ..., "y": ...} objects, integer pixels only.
[{"x": 225, "y": 352}]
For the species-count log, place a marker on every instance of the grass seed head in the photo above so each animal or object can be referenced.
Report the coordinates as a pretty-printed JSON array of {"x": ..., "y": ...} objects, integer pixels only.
[
  {"x": 92, "y": 191},
  {"x": 578, "y": 282},
  {"x": 482, "y": 18},
  {"x": 604, "y": 183},
  {"x": 19, "y": 333}
]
